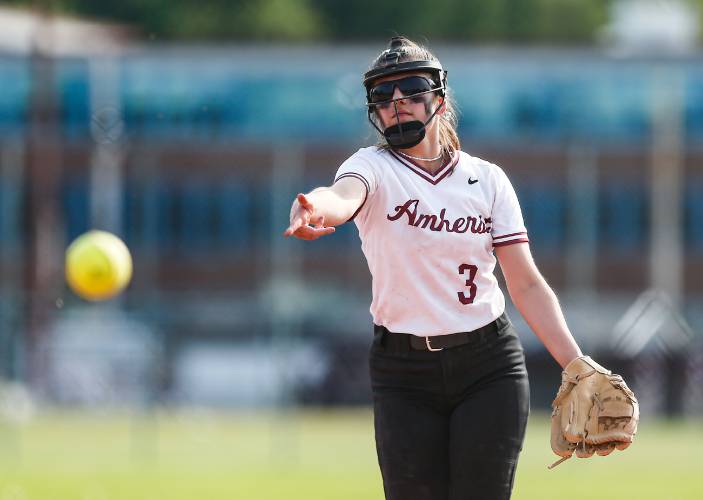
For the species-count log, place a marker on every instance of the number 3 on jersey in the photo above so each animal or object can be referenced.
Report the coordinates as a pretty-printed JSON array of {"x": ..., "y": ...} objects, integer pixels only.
[{"x": 471, "y": 270}]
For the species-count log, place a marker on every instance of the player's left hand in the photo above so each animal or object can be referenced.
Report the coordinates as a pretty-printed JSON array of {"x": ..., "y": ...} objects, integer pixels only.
[
  {"x": 593, "y": 412},
  {"x": 304, "y": 224}
]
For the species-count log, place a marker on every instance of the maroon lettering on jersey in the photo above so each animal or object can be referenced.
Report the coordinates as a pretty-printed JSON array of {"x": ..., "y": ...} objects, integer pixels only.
[
  {"x": 484, "y": 226},
  {"x": 460, "y": 226},
  {"x": 438, "y": 223},
  {"x": 443, "y": 223},
  {"x": 404, "y": 209},
  {"x": 425, "y": 220}
]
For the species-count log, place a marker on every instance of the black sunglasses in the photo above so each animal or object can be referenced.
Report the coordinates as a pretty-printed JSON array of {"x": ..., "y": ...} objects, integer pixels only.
[{"x": 412, "y": 87}]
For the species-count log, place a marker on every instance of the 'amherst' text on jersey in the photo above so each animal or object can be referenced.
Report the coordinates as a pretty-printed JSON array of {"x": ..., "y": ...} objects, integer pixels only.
[{"x": 438, "y": 223}]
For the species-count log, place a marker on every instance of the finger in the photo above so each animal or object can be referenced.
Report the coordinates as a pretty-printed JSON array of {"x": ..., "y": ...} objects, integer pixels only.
[
  {"x": 292, "y": 228},
  {"x": 305, "y": 233},
  {"x": 302, "y": 234},
  {"x": 311, "y": 233},
  {"x": 320, "y": 223},
  {"x": 295, "y": 224},
  {"x": 304, "y": 202},
  {"x": 323, "y": 231},
  {"x": 318, "y": 233}
]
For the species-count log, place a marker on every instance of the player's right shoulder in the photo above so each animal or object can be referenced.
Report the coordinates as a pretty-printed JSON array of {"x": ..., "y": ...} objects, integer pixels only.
[
  {"x": 366, "y": 165},
  {"x": 370, "y": 153},
  {"x": 370, "y": 158}
]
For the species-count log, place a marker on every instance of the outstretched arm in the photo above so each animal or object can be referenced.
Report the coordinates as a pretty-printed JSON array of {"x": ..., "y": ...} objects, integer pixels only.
[
  {"x": 314, "y": 215},
  {"x": 537, "y": 302}
]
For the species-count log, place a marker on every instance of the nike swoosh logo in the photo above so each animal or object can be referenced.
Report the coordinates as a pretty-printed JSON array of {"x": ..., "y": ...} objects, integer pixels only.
[{"x": 472, "y": 181}]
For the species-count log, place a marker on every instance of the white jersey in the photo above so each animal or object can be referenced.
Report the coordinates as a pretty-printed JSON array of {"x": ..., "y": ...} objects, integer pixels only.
[{"x": 429, "y": 238}]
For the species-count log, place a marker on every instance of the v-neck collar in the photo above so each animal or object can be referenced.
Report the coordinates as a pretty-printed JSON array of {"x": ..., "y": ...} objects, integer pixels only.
[{"x": 432, "y": 178}]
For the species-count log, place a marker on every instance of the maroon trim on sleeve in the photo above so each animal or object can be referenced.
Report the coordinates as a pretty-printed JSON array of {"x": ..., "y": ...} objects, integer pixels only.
[
  {"x": 511, "y": 242},
  {"x": 508, "y": 235},
  {"x": 357, "y": 176},
  {"x": 366, "y": 185}
]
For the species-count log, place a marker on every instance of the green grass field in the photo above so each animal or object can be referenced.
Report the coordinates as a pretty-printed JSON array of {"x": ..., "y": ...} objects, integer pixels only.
[{"x": 300, "y": 455}]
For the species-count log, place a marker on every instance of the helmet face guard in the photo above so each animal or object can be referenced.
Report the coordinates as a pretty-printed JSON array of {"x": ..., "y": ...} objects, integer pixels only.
[
  {"x": 408, "y": 134},
  {"x": 402, "y": 135}
]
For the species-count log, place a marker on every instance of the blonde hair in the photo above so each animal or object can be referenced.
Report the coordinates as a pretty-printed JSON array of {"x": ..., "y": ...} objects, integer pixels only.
[{"x": 448, "y": 121}]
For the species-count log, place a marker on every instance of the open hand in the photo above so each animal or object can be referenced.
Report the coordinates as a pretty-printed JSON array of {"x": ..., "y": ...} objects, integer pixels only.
[{"x": 303, "y": 223}]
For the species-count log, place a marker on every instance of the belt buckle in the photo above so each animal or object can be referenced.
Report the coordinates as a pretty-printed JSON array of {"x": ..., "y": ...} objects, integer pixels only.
[{"x": 429, "y": 346}]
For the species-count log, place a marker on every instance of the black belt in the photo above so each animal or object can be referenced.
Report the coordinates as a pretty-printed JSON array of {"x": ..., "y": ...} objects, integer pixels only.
[{"x": 402, "y": 341}]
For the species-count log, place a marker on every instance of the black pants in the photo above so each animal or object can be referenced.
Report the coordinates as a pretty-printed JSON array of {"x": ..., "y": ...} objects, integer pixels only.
[{"x": 449, "y": 424}]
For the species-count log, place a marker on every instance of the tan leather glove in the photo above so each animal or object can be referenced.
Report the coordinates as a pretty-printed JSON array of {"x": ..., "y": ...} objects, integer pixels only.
[{"x": 593, "y": 412}]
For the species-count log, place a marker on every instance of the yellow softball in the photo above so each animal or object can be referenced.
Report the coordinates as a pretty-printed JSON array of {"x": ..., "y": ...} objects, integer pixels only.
[{"x": 98, "y": 265}]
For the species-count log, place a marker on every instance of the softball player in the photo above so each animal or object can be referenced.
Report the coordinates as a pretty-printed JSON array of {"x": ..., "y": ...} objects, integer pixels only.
[{"x": 451, "y": 395}]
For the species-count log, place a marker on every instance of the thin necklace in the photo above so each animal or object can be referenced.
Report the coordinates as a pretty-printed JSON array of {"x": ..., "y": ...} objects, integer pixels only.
[{"x": 440, "y": 155}]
